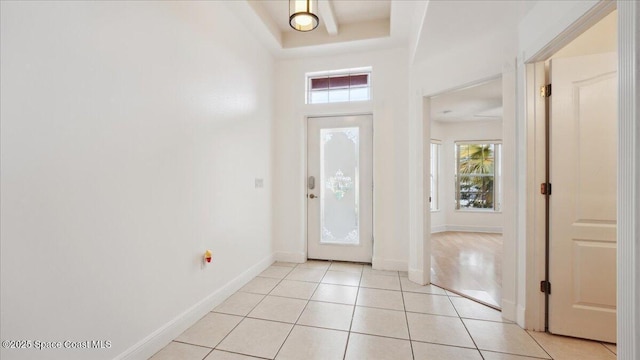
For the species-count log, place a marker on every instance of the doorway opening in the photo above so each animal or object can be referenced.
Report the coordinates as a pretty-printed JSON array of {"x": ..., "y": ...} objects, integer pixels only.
[{"x": 466, "y": 191}]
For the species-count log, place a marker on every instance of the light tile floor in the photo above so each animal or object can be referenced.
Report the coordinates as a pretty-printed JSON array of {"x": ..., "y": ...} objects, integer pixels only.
[{"x": 332, "y": 310}]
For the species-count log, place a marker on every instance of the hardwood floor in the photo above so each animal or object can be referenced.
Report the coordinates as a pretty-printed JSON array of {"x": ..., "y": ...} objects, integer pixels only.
[{"x": 469, "y": 264}]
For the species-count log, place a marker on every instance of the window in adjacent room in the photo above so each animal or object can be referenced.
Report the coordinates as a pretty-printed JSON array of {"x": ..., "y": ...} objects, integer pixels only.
[
  {"x": 478, "y": 173},
  {"x": 435, "y": 174},
  {"x": 339, "y": 86}
]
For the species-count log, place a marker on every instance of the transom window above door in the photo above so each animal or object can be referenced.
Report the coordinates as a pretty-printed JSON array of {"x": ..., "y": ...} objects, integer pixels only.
[{"x": 339, "y": 86}]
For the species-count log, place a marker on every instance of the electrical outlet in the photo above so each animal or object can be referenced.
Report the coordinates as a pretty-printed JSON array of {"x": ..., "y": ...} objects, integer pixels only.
[{"x": 259, "y": 183}]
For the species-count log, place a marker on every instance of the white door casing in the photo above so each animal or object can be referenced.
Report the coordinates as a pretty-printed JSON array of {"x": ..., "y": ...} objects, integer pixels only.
[
  {"x": 340, "y": 188},
  {"x": 583, "y": 148}
]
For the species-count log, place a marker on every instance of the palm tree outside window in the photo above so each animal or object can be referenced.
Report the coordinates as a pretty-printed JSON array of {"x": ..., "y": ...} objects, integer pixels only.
[{"x": 478, "y": 173}]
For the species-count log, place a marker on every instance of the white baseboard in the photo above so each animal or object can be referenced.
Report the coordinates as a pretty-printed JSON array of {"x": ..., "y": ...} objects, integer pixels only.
[
  {"x": 148, "y": 346},
  {"x": 509, "y": 310},
  {"x": 418, "y": 276},
  {"x": 465, "y": 228},
  {"x": 294, "y": 257},
  {"x": 388, "y": 264}
]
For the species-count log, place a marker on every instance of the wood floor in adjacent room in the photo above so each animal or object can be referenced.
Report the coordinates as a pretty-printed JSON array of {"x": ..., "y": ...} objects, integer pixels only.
[{"x": 468, "y": 263}]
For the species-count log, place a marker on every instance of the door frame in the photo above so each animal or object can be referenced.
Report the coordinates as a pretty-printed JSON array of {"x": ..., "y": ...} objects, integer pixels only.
[
  {"x": 306, "y": 173},
  {"x": 536, "y": 75},
  {"x": 628, "y": 291}
]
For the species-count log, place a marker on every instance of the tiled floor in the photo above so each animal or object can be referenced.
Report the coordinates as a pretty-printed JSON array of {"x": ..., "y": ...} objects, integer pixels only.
[{"x": 324, "y": 310}]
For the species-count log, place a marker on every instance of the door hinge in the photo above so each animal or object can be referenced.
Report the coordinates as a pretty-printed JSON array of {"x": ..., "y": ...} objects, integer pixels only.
[
  {"x": 545, "y": 188},
  {"x": 545, "y": 91},
  {"x": 545, "y": 287}
]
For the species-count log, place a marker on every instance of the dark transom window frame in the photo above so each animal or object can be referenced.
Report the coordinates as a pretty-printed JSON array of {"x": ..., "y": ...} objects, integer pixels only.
[{"x": 334, "y": 86}]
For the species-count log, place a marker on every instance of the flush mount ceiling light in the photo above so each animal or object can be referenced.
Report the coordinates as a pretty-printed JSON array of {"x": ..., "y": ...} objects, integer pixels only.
[{"x": 302, "y": 15}]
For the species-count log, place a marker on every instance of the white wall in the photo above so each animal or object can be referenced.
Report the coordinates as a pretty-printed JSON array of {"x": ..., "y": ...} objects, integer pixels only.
[
  {"x": 389, "y": 108},
  {"x": 559, "y": 16},
  {"x": 448, "y": 218},
  {"x": 131, "y": 136}
]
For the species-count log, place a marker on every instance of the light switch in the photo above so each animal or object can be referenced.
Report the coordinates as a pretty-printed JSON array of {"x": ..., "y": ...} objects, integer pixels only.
[{"x": 259, "y": 183}]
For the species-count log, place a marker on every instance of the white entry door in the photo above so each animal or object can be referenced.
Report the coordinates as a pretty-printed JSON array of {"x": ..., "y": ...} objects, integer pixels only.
[
  {"x": 340, "y": 188},
  {"x": 583, "y": 158}
]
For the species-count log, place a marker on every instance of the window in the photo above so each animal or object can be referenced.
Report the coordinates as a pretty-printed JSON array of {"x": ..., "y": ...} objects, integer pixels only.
[
  {"x": 435, "y": 174},
  {"x": 478, "y": 172},
  {"x": 339, "y": 86}
]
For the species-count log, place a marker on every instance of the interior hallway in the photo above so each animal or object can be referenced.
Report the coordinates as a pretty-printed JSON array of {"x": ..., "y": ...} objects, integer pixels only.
[
  {"x": 469, "y": 263},
  {"x": 324, "y": 310}
]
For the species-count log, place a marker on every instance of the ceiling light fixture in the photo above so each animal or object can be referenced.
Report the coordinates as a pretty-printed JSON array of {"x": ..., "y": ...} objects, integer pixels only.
[{"x": 302, "y": 15}]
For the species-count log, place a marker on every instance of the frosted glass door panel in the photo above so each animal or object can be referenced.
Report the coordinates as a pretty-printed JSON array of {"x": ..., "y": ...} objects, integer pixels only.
[{"x": 339, "y": 187}]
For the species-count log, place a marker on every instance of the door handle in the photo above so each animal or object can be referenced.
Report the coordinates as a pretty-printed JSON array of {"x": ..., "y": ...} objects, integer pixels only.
[{"x": 312, "y": 196}]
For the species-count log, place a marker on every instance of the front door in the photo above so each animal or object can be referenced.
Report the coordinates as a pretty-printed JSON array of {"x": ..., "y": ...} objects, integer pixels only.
[
  {"x": 340, "y": 188},
  {"x": 583, "y": 158}
]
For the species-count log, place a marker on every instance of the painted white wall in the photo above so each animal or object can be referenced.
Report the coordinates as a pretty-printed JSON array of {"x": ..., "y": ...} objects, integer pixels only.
[
  {"x": 450, "y": 219},
  {"x": 558, "y": 16},
  {"x": 131, "y": 136},
  {"x": 389, "y": 109},
  {"x": 600, "y": 38}
]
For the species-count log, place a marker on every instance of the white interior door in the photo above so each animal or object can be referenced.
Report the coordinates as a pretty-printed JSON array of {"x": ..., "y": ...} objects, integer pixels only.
[
  {"x": 340, "y": 188},
  {"x": 583, "y": 156}
]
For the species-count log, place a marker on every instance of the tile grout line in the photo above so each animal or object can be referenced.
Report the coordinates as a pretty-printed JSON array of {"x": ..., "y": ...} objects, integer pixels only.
[
  {"x": 498, "y": 322},
  {"x": 353, "y": 314},
  {"x": 406, "y": 317},
  {"x": 321, "y": 328},
  {"x": 239, "y": 322},
  {"x": 418, "y": 341},
  {"x": 606, "y": 347},
  {"x": 305, "y": 307},
  {"x": 182, "y": 342},
  {"x": 246, "y": 316},
  {"x": 540, "y": 345},
  {"x": 241, "y": 354},
  {"x": 188, "y": 343},
  {"x": 465, "y": 326},
  {"x": 517, "y": 355}
]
